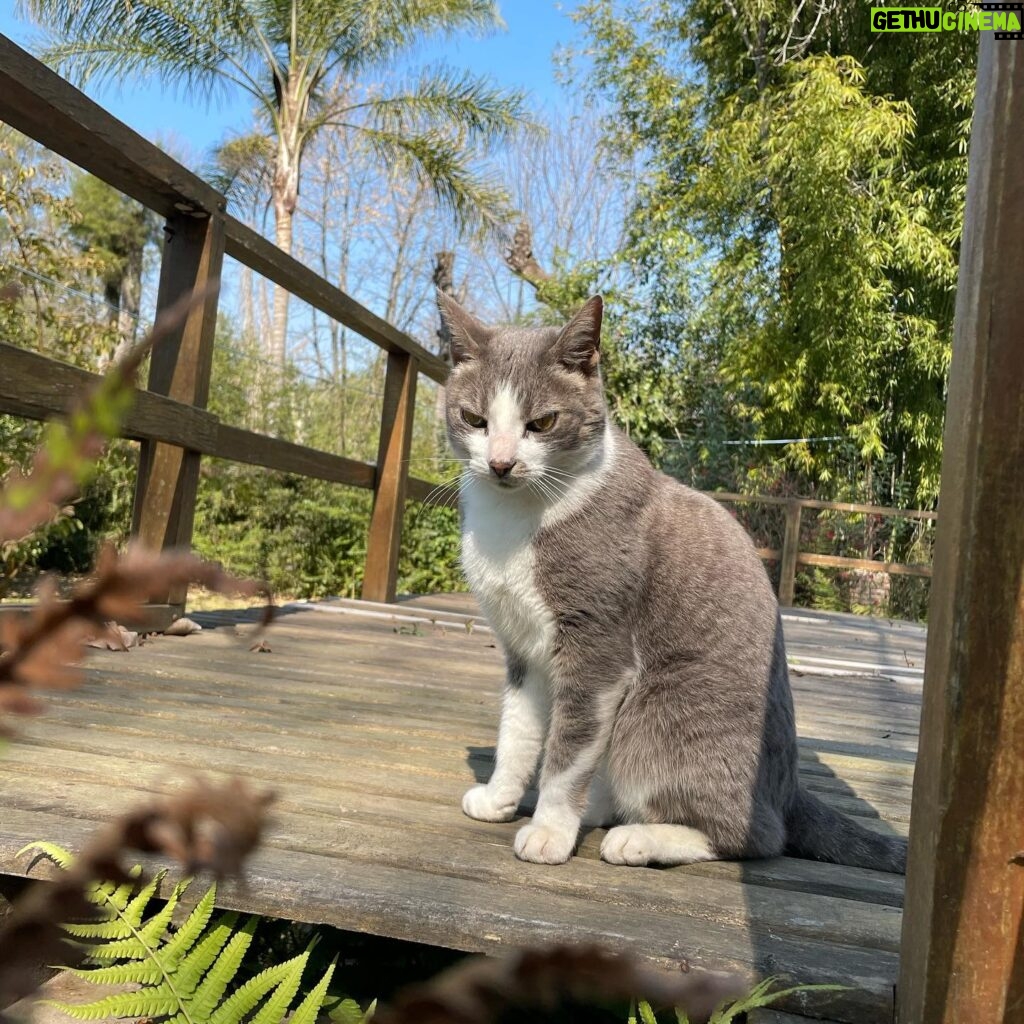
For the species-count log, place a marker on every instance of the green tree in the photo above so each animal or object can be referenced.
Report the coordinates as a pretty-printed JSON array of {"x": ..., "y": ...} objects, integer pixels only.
[
  {"x": 301, "y": 62},
  {"x": 796, "y": 228},
  {"x": 116, "y": 230}
]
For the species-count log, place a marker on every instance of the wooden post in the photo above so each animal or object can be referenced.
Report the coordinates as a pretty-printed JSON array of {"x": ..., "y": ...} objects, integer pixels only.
[
  {"x": 962, "y": 953},
  {"x": 790, "y": 549},
  {"x": 168, "y": 477},
  {"x": 381, "y": 574}
]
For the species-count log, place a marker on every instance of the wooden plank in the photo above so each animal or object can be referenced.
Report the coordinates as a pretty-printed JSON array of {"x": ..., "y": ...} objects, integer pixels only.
[
  {"x": 868, "y": 564},
  {"x": 790, "y": 550},
  {"x": 470, "y": 914},
  {"x": 37, "y": 387},
  {"x": 180, "y": 367},
  {"x": 963, "y": 939},
  {"x": 385, "y": 537},
  {"x": 833, "y": 506},
  {"x": 448, "y": 843},
  {"x": 26, "y": 786},
  {"x": 272, "y": 453}
]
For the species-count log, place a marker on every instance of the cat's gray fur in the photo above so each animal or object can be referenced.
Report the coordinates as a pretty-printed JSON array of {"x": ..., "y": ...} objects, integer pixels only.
[{"x": 662, "y": 692}]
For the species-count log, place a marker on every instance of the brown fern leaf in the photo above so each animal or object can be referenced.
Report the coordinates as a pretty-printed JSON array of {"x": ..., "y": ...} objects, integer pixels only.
[{"x": 478, "y": 991}]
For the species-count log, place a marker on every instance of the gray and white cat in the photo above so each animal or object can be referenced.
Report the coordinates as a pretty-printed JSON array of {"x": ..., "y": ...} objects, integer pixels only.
[{"x": 642, "y": 638}]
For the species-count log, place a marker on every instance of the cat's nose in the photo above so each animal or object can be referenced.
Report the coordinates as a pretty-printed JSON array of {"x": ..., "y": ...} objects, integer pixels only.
[{"x": 501, "y": 469}]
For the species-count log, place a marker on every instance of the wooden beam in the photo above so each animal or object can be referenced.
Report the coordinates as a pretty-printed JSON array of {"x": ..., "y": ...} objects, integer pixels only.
[
  {"x": 40, "y": 388},
  {"x": 385, "y": 536},
  {"x": 790, "y": 550},
  {"x": 180, "y": 367},
  {"x": 963, "y": 928},
  {"x": 47, "y": 108}
]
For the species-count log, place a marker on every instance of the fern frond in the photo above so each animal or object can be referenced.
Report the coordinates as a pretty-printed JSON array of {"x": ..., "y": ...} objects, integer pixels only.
[
  {"x": 61, "y": 857},
  {"x": 144, "y": 1003},
  {"x": 244, "y": 1000},
  {"x": 308, "y": 1010},
  {"x": 119, "y": 974},
  {"x": 274, "y": 1009},
  {"x": 209, "y": 994},
  {"x": 136, "y": 909},
  {"x": 188, "y": 934},
  {"x": 183, "y": 973},
  {"x": 646, "y": 1013}
]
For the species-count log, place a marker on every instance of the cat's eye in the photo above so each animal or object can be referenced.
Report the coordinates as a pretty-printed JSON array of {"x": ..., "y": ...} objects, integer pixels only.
[
  {"x": 542, "y": 424},
  {"x": 473, "y": 420}
]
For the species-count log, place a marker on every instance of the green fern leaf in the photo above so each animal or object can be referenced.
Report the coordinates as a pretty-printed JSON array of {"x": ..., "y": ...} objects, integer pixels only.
[
  {"x": 145, "y": 1003},
  {"x": 306, "y": 1012},
  {"x": 348, "y": 1012},
  {"x": 646, "y": 1013},
  {"x": 188, "y": 934},
  {"x": 120, "y": 974},
  {"x": 61, "y": 857},
  {"x": 205, "y": 953},
  {"x": 245, "y": 999},
  {"x": 136, "y": 909},
  {"x": 153, "y": 931},
  {"x": 274, "y": 1009},
  {"x": 222, "y": 973},
  {"x": 113, "y": 929}
]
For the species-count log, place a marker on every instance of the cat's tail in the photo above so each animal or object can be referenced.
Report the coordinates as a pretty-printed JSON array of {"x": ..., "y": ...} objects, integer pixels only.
[{"x": 817, "y": 831}]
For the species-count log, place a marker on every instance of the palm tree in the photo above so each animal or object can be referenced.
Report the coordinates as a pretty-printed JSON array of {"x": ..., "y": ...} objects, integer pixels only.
[{"x": 300, "y": 61}]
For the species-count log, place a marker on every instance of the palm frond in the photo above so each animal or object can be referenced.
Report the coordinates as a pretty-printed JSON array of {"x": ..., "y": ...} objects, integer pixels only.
[
  {"x": 477, "y": 202},
  {"x": 183, "y": 973},
  {"x": 188, "y": 44},
  {"x": 242, "y": 168},
  {"x": 384, "y": 29},
  {"x": 446, "y": 99}
]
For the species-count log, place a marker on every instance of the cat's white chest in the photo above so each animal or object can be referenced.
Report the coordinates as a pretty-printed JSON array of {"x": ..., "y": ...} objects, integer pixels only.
[{"x": 498, "y": 559}]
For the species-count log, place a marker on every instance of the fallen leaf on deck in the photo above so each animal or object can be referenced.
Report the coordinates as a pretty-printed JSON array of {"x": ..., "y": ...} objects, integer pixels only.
[
  {"x": 183, "y": 627},
  {"x": 261, "y": 647},
  {"x": 114, "y": 638}
]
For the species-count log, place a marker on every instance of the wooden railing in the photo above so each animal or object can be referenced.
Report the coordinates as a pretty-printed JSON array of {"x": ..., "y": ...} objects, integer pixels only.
[
  {"x": 170, "y": 418},
  {"x": 790, "y": 555}
]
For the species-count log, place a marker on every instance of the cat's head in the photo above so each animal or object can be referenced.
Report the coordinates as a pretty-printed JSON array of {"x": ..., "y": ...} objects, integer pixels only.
[{"x": 525, "y": 406}]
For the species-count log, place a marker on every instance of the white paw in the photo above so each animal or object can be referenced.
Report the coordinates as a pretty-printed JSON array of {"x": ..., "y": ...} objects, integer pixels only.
[
  {"x": 637, "y": 845},
  {"x": 480, "y": 803},
  {"x": 542, "y": 845},
  {"x": 627, "y": 845}
]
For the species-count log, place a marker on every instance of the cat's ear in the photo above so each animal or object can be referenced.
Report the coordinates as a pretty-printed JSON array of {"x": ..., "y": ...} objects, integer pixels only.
[
  {"x": 577, "y": 347},
  {"x": 466, "y": 333}
]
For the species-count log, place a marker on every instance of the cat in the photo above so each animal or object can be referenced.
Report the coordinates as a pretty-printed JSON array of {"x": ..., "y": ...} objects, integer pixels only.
[{"x": 643, "y": 641}]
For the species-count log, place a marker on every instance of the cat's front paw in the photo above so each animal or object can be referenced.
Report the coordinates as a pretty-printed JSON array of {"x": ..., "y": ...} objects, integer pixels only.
[
  {"x": 483, "y": 805},
  {"x": 540, "y": 844}
]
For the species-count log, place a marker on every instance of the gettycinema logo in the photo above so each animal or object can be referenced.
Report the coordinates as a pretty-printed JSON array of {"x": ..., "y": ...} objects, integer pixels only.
[{"x": 1003, "y": 19}]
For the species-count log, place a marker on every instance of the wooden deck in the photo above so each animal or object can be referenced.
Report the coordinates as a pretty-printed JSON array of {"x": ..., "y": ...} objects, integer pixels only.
[{"x": 371, "y": 720}]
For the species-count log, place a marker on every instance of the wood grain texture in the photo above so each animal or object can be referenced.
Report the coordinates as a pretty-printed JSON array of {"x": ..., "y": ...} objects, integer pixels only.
[
  {"x": 396, "y": 422},
  {"x": 369, "y": 735},
  {"x": 963, "y": 939}
]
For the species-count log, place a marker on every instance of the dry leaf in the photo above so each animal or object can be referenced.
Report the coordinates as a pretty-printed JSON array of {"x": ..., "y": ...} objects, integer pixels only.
[
  {"x": 478, "y": 991},
  {"x": 183, "y": 627},
  {"x": 261, "y": 647}
]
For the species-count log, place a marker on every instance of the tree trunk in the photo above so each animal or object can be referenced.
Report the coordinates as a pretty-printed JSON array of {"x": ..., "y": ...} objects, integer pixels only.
[{"x": 279, "y": 329}]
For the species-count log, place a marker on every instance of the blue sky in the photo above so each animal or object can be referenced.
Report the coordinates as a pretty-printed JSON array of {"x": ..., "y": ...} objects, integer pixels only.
[{"x": 519, "y": 57}]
